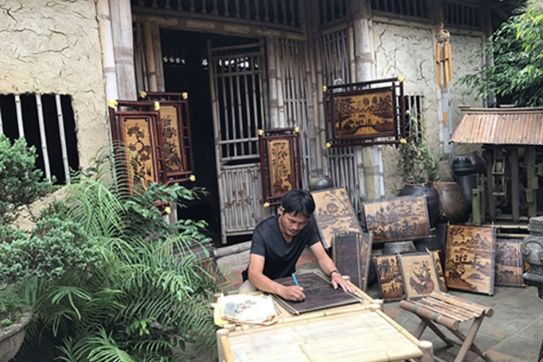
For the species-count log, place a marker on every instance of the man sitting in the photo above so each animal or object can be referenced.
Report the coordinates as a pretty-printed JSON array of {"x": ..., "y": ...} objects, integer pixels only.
[{"x": 277, "y": 244}]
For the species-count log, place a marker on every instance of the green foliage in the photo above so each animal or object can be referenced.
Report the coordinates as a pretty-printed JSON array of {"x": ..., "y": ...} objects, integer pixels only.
[
  {"x": 11, "y": 305},
  {"x": 147, "y": 297},
  {"x": 517, "y": 68},
  {"x": 417, "y": 164},
  {"x": 55, "y": 247},
  {"x": 20, "y": 182}
]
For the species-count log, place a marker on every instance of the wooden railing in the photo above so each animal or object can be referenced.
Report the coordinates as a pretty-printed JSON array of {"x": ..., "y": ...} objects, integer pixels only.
[{"x": 284, "y": 13}]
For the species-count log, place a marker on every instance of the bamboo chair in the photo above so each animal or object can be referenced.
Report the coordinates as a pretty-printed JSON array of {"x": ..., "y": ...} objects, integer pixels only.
[{"x": 448, "y": 311}]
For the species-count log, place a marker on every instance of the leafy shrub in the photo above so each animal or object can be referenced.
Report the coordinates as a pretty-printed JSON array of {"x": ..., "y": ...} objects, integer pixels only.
[
  {"x": 11, "y": 305},
  {"x": 20, "y": 182},
  {"x": 54, "y": 248}
]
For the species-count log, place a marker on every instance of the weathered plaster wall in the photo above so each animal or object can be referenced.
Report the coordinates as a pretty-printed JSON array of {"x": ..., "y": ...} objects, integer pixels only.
[
  {"x": 467, "y": 57},
  {"x": 54, "y": 47},
  {"x": 408, "y": 50}
]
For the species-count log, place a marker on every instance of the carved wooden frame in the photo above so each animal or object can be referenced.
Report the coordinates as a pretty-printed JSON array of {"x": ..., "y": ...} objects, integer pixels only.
[
  {"x": 286, "y": 165},
  {"x": 340, "y": 108},
  {"x": 122, "y": 128}
]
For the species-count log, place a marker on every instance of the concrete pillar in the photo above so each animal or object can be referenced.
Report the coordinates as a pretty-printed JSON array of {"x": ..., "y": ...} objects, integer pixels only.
[
  {"x": 123, "y": 47},
  {"x": 373, "y": 170}
]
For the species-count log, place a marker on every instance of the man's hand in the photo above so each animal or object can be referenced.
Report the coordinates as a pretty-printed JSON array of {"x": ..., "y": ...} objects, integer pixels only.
[
  {"x": 337, "y": 280},
  {"x": 293, "y": 293}
]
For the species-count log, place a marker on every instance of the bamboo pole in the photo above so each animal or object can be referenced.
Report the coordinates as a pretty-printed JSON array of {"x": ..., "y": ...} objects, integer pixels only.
[
  {"x": 106, "y": 41},
  {"x": 19, "y": 112},
  {"x": 62, "y": 134},
  {"x": 426, "y": 313},
  {"x": 150, "y": 56},
  {"x": 1, "y": 124},
  {"x": 43, "y": 138},
  {"x": 427, "y": 351}
]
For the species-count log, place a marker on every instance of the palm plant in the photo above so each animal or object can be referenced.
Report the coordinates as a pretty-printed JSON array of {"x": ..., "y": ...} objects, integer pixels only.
[{"x": 149, "y": 294}]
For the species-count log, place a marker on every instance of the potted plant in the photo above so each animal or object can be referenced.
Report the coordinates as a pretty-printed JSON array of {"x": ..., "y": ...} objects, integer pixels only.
[
  {"x": 418, "y": 168},
  {"x": 20, "y": 184}
]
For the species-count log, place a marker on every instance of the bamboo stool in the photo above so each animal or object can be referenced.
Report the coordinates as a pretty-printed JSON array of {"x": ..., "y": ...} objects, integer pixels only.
[{"x": 449, "y": 311}]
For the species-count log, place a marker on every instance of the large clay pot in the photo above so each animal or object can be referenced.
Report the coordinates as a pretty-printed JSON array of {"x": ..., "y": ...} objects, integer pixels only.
[
  {"x": 11, "y": 338},
  {"x": 453, "y": 206},
  {"x": 432, "y": 198}
]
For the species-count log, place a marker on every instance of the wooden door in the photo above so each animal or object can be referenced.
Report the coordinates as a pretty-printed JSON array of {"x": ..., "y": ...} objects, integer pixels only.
[{"x": 239, "y": 103}]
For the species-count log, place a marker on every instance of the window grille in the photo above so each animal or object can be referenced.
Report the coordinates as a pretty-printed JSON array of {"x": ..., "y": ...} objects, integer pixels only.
[
  {"x": 332, "y": 10},
  {"x": 47, "y": 122},
  {"x": 414, "y": 113},
  {"x": 412, "y": 8},
  {"x": 462, "y": 15}
]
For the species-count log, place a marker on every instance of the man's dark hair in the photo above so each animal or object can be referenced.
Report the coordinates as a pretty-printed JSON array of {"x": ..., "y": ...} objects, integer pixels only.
[{"x": 298, "y": 202}]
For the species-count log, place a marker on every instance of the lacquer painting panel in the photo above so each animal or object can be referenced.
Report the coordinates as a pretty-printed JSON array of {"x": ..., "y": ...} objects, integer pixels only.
[
  {"x": 419, "y": 274},
  {"x": 280, "y": 163},
  {"x": 400, "y": 218},
  {"x": 367, "y": 114},
  {"x": 138, "y": 139},
  {"x": 319, "y": 294},
  {"x": 351, "y": 253},
  {"x": 334, "y": 214},
  {"x": 509, "y": 262},
  {"x": 389, "y": 277},
  {"x": 470, "y": 259}
]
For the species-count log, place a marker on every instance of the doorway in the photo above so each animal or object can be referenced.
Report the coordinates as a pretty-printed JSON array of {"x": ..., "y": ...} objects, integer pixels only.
[{"x": 186, "y": 69}]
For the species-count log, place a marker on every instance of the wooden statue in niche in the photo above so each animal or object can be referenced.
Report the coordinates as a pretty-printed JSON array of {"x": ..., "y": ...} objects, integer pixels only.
[{"x": 470, "y": 258}]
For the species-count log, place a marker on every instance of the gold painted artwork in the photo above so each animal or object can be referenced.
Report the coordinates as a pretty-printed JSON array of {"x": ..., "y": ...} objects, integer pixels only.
[
  {"x": 172, "y": 152},
  {"x": 137, "y": 139},
  {"x": 509, "y": 265},
  {"x": 400, "y": 218},
  {"x": 470, "y": 258},
  {"x": 389, "y": 277},
  {"x": 280, "y": 166},
  {"x": 419, "y": 275},
  {"x": 364, "y": 115},
  {"x": 334, "y": 214}
]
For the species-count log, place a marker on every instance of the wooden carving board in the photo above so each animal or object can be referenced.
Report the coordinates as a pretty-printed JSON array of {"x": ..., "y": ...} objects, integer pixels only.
[{"x": 319, "y": 294}]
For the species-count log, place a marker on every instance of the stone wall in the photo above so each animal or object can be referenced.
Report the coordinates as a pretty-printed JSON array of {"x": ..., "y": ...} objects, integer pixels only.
[
  {"x": 407, "y": 49},
  {"x": 54, "y": 47}
]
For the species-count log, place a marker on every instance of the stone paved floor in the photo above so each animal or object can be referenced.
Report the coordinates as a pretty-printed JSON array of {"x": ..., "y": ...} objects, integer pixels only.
[{"x": 514, "y": 333}]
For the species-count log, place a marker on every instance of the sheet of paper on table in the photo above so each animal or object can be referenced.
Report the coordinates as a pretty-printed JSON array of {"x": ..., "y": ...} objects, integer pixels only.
[{"x": 245, "y": 309}]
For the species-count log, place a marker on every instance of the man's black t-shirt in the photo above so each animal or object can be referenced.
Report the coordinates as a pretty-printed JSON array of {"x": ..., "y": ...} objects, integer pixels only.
[{"x": 281, "y": 257}]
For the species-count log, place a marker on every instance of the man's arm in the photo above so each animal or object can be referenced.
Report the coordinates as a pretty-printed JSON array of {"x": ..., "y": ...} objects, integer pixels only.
[
  {"x": 265, "y": 284},
  {"x": 329, "y": 268}
]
